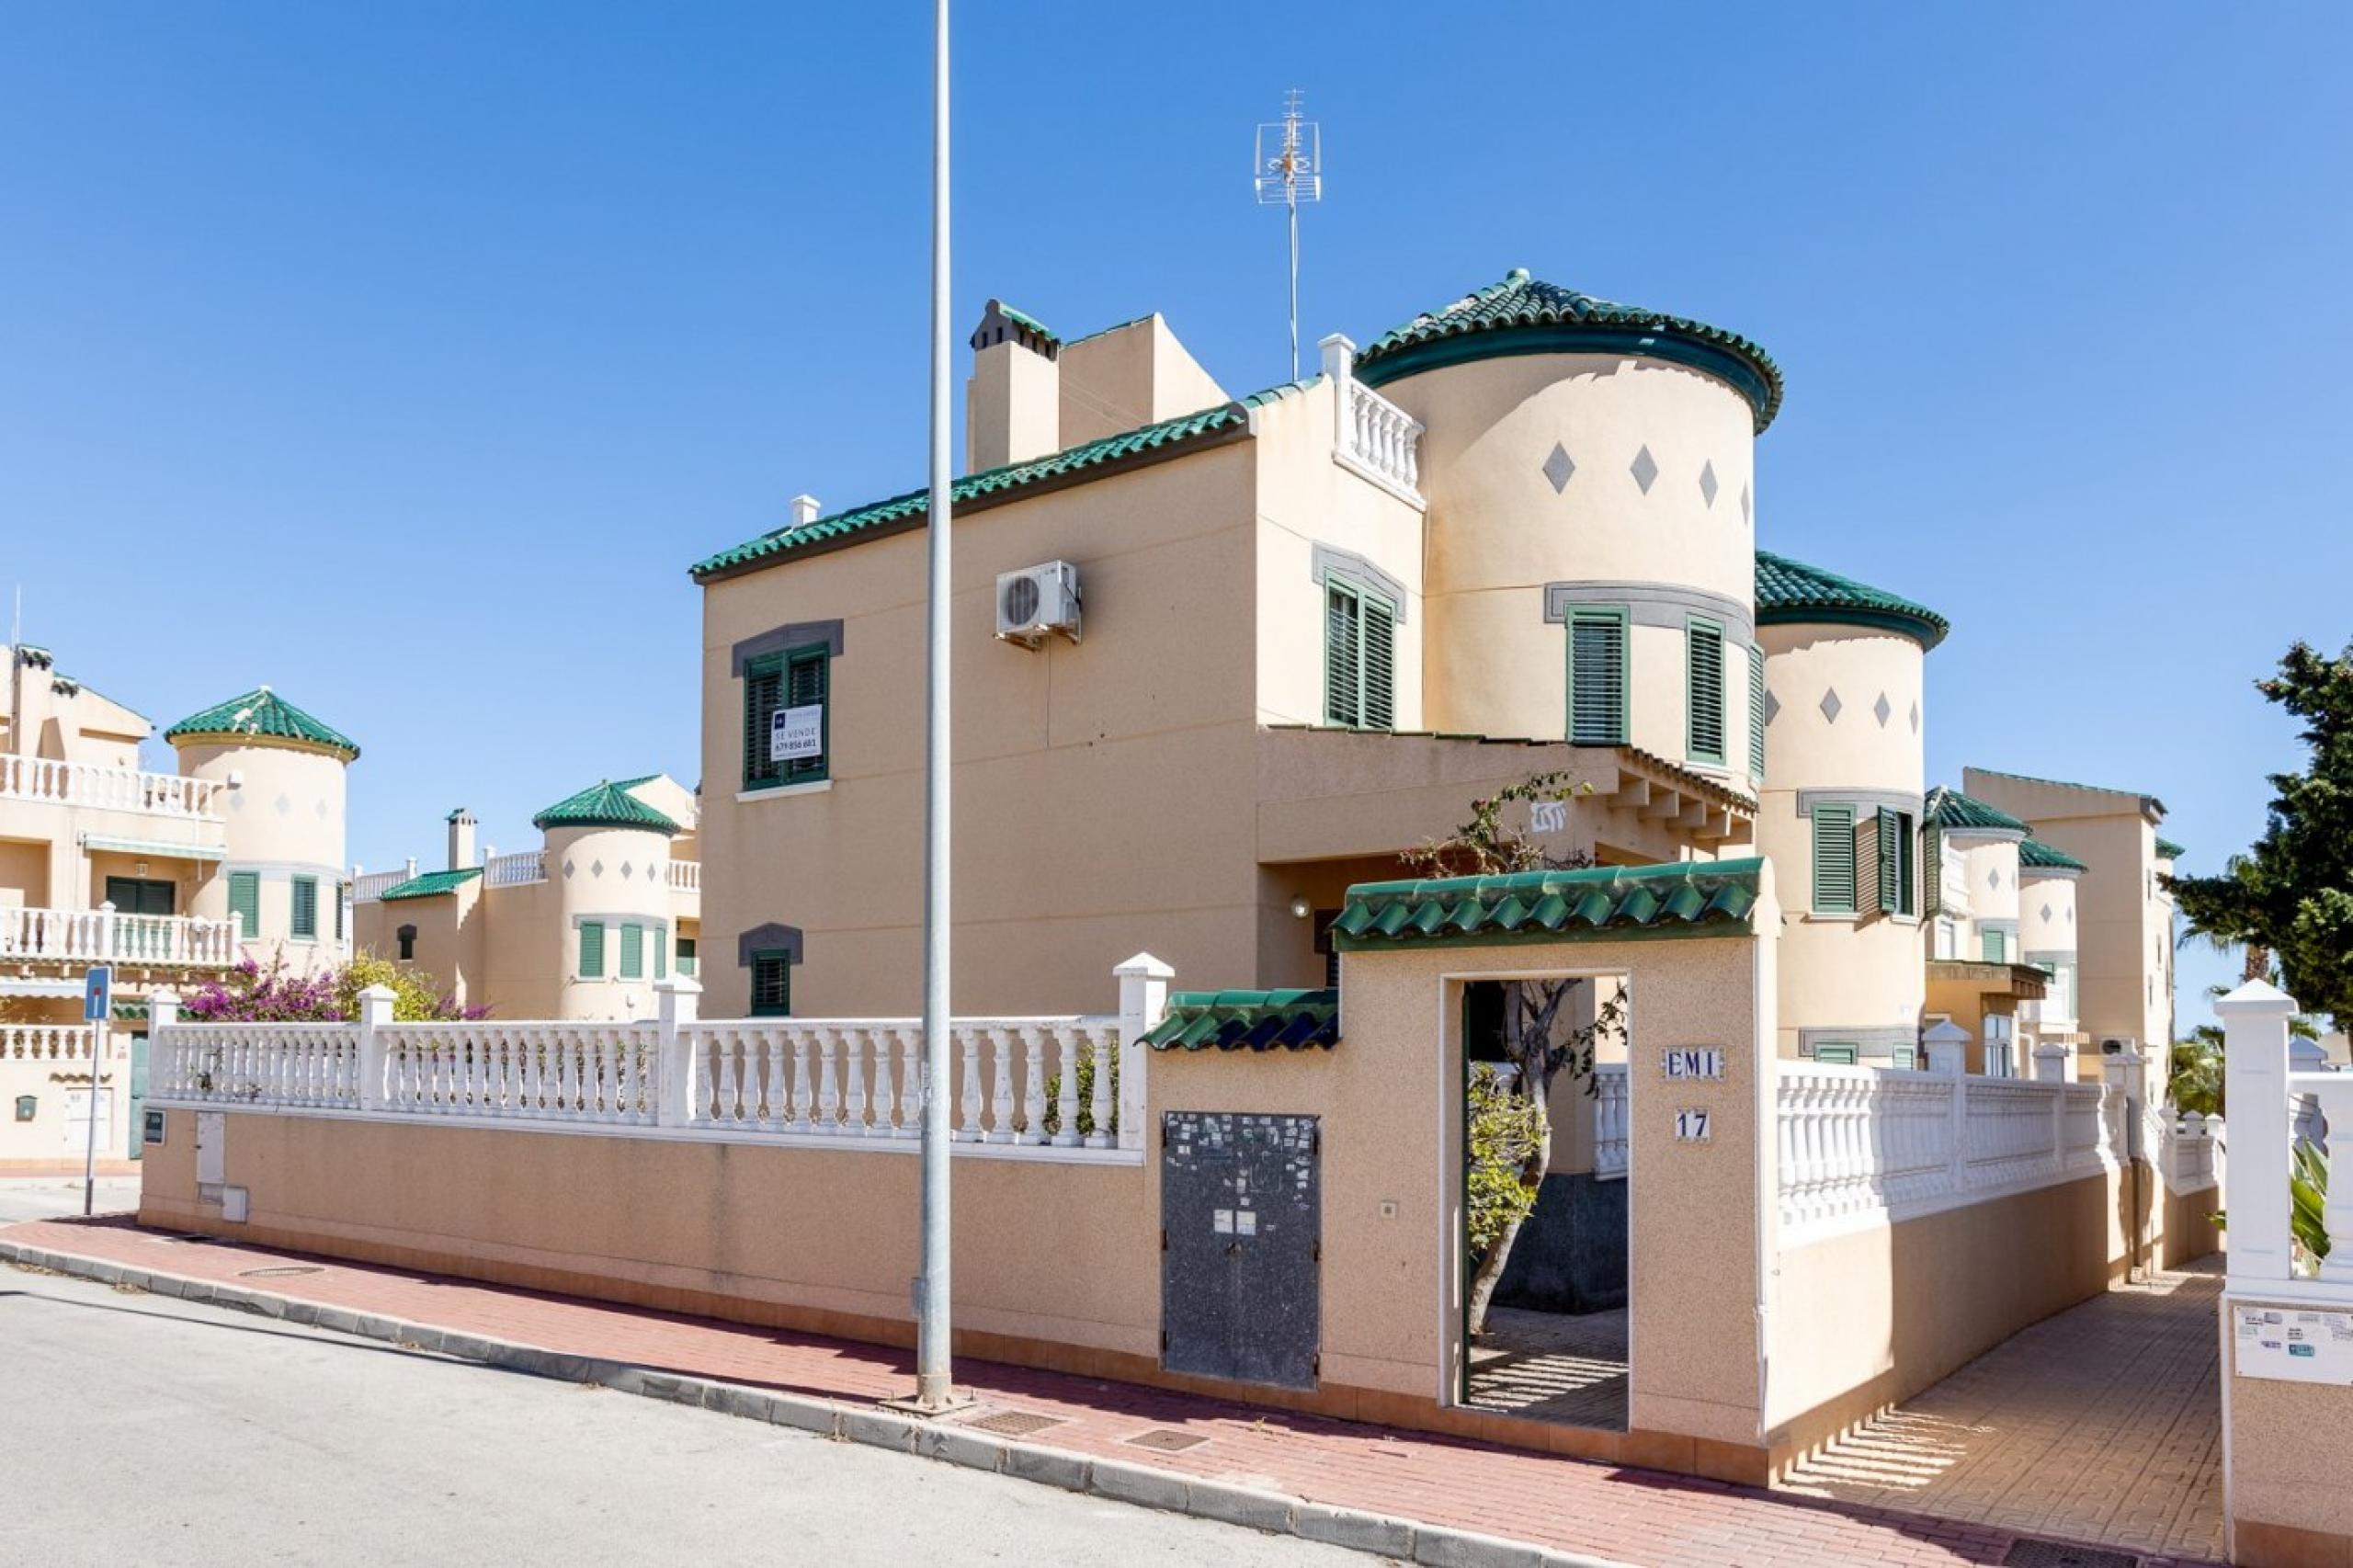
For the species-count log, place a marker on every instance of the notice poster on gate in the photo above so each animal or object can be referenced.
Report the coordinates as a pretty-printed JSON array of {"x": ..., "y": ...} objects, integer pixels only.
[{"x": 797, "y": 734}]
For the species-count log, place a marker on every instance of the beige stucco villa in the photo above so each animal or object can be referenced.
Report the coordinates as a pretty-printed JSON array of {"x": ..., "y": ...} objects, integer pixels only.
[
  {"x": 168, "y": 877},
  {"x": 584, "y": 926}
]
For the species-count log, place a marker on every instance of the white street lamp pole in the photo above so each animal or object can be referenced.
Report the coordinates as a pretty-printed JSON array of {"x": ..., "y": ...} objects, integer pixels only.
[{"x": 932, "y": 1387}]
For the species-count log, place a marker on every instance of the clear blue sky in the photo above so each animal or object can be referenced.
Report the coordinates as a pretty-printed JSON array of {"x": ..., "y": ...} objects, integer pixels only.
[{"x": 405, "y": 357}]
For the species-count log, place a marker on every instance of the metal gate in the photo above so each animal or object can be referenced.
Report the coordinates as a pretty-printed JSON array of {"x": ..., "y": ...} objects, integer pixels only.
[{"x": 1241, "y": 1246}]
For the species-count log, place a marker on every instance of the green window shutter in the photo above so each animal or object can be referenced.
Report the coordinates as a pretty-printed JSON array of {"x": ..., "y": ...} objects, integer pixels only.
[
  {"x": 1597, "y": 677},
  {"x": 660, "y": 952},
  {"x": 1343, "y": 655},
  {"x": 772, "y": 985},
  {"x": 808, "y": 684},
  {"x": 302, "y": 914},
  {"x": 686, "y": 955},
  {"x": 338, "y": 910},
  {"x": 1836, "y": 1055},
  {"x": 1905, "y": 1058},
  {"x": 1756, "y": 714},
  {"x": 1891, "y": 861},
  {"x": 763, "y": 695},
  {"x": 1379, "y": 664},
  {"x": 245, "y": 903},
  {"x": 632, "y": 952},
  {"x": 1704, "y": 645},
  {"x": 1833, "y": 859},
  {"x": 1932, "y": 870},
  {"x": 1989, "y": 946},
  {"x": 592, "y": 950}
]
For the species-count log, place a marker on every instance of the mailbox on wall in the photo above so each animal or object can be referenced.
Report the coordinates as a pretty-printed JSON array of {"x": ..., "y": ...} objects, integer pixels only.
[{"x": 25, "y": 1105}]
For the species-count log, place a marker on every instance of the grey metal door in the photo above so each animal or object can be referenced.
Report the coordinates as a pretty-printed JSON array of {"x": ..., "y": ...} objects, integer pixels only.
[{"x": 1240, "y": 1239}]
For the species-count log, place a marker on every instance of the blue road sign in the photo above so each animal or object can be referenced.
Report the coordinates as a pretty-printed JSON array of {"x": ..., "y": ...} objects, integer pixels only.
[{"x": 97, "y": 994}]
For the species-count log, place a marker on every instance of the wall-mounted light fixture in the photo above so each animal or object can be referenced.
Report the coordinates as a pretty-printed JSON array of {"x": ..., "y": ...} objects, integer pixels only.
[{"x": 1299, "y": 908}]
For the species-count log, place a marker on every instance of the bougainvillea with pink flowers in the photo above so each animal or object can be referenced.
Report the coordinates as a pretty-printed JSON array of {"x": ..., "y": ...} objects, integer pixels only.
[{"x": 252, "y": 995}]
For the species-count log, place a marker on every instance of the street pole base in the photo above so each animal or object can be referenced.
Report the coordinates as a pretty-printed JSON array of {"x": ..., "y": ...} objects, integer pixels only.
[{"x": 932, "y": 1404}]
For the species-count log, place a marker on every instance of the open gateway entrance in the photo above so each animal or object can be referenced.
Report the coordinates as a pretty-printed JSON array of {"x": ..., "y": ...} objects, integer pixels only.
[{"x": 1553, "y": 1345}]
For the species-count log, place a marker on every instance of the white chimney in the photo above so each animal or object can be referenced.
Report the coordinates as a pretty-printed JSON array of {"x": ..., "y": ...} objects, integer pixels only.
[
  {"x": 804, "y": 510},
  {"x": 461, "y": 839}
]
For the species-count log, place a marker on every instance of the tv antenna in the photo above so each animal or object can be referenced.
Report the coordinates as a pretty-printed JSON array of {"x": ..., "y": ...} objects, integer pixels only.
[{"x": 1290, "y": 170}]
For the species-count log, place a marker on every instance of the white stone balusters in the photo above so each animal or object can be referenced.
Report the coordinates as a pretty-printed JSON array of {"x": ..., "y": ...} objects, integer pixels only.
[
  {"x": 1033, "y": 1084},
  {"x": 1000, "y": 1129},
  {"x": 804, "y": 1099},
  {"x": 971, "y": 1130},
  {"x": 1068, "y": 1043},
  {"x": 1103, "y": 1040},
  {"x": 911, "y": 1081},
  {"x": 854, "y": 1085}
]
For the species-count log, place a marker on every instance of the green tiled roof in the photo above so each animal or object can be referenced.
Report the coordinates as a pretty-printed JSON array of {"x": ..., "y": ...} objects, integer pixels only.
[
  {"x": 1259, "y": 1019},
  {"x": 900, "y": 513},
  {"x": 1695, "y": 898},
  {"x": 425, "y": 884},
  {"x": 1527, "y": 315},
  {"x": 1792, "y": 592},
  {"x": 2036, "y": 855},
  {"x": 1951, "y": 809},
  {"x": 262, "y": 711},
  {"x": 1024, "y": 318},
  {"x": 605, "y": 805},
  {"x": 2169, "y": 850}
]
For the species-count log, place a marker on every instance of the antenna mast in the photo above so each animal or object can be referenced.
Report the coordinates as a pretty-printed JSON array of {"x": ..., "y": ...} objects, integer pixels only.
[{"x": 1290, "y": 170}]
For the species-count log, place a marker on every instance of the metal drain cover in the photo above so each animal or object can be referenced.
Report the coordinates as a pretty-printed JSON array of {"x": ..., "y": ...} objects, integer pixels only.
[
  {"x": 286, "y": 1272},
  {"x": 2065, "y": 1554},
  {"x": 1169, "y": 1441},
  {"x": 1015, "y": 1423}
]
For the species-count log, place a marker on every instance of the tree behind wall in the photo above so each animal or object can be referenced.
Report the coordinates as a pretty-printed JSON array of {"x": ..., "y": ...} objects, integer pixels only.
[
  {"x": 252, "y": 995},
  {"x": 1508, "y": 1142},
  {"x": 2291, "y": 896}
]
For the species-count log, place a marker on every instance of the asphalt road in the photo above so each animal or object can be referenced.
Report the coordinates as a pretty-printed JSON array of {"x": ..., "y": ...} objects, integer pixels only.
[
  {"x": 139, "y": 1429},
  {"x": 50, "y": 1198}
]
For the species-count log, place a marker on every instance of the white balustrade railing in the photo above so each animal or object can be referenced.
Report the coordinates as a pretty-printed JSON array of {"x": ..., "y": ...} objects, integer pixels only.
[
  {"x": 686, "y": 876},
  {"x": 1379, "y": 438},
  {"x": 1610, "y": 1132},
  {"x": 108, "y": 788},
  {"x": 1039, "y": 1085},
  {"x": 1864, "y": 1143},
  {"x": 103, "y": 936},
  {"x": 513, "y": 870},
  {"x": 44, "y": 1043},
  {"x": 368, "y": 888},
  {"x": 2186, "y": 1151}
]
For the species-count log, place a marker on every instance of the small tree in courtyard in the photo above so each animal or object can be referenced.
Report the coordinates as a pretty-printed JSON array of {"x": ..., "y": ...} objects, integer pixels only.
[
  {"x": 2290, "y": 897},
  {"x": 1508, "y": 1146},
  {"x": 252, "y": 995}
]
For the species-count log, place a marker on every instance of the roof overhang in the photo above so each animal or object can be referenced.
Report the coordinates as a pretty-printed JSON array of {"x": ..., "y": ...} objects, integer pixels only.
[
  {"x": 161, "y": 850},
  {"x": 2019, "y": 982}
]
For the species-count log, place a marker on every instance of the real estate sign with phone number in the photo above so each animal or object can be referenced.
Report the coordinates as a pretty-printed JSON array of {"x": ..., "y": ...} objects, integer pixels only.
[{"x": 2294, "y": 1344}]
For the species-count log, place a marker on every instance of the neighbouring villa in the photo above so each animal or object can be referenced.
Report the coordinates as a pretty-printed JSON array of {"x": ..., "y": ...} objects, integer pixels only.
[
  {"x": 170, "y": 878},
  {"x": 584, "y": 926},
  {"x": 1220, "y": 661}
]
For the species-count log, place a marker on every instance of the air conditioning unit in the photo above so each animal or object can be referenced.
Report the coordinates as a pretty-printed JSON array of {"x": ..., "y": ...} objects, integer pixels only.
[
  {"x": 1036, "y": 600},
  {"x": 2116, "y": 1045}
]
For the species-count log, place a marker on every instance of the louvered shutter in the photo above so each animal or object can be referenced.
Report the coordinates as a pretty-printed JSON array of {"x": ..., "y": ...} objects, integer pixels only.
[
  {"x": 1869, "y": 899},
  {"x": 245, "y": 903},
  {"x": 303, "y": 914},
  {"x": 1379, "y": 664},
  {"x": 661, "y": 953},
  {"x": 1989, "y": 945},
  {"x": 1891, "y": 861},
  {"x": 1597, "y": 677},
  {"x": 1757, "y": 713},
  {"x": 1705, "y": 643},
  {"x": 1833, "y": 859},
  {"x": 1836, "y": 1055},
  {"x": 1932, "y": 872},
  {"x": 592, "y": 950},
  {"x": 809, "y": 679},
  {"x": 632, "y": 952},
  {"x": 763, "y": 695},
  {"x": 1343, "y": 665},
  {"x": 772, "y": 985}
]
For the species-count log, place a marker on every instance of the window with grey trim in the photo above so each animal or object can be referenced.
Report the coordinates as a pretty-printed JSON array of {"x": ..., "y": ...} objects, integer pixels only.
[
  {"x": 1598, "y": 674},
  {"x": 777, "y": 683},
  {"x": 1704, "y": 647},
  {"x": 406, "y": 938},
  {"x": 771, "y": 983}
]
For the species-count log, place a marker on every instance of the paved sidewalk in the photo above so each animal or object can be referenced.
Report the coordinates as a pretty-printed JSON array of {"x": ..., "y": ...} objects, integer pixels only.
[
  {"x": 2101, "y": 1424},
  {"x": 1566, "y": 1505}
]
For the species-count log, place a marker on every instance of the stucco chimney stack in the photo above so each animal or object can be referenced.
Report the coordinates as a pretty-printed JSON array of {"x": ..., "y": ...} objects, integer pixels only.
[
  {"x": 1013, "y": 403},
  {"x": 461, "y": 839},
  {"x": 804, "y": 510}
]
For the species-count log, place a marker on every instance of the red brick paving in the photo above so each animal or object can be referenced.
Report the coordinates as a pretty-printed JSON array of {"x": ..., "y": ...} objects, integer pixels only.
[{"x": 1633, "y": 1515}]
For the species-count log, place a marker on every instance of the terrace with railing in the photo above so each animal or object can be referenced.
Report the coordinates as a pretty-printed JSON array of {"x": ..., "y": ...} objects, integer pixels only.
[
  {"x": 1374, "y": 436},
  {"x": 103, "y": 936},
  {"x": 53, "y": 782}
]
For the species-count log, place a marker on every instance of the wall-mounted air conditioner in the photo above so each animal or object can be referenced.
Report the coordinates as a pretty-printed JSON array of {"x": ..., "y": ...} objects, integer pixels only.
[
  {"x": 1037, "y": 600},
  {"x": 2116, "y": 1045}
]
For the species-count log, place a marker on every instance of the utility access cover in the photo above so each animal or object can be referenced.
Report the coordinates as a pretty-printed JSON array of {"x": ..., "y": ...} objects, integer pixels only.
[{"x": 1240, "y": 1217}]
